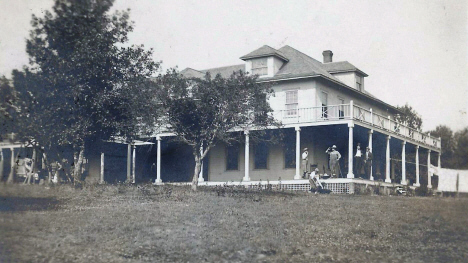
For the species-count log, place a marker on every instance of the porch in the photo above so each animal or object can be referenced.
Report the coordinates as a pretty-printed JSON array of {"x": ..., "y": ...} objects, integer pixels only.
[{"x": 335, "y": 185}]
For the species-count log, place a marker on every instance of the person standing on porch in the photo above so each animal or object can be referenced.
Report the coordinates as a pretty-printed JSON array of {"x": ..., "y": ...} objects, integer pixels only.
[
  {"x": 358, "y": 158},
  {"x": 335, "y": 156},
  {"x": 368, "y": 162},
  {"x": 305, "y": 163}
]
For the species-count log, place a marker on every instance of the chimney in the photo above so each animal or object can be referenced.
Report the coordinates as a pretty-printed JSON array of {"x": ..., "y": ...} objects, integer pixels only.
[{"x": 327, "y": 56}]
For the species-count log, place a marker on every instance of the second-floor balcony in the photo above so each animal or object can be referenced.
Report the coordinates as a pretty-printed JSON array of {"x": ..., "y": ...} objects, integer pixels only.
[{"x": 331, "y": 113}]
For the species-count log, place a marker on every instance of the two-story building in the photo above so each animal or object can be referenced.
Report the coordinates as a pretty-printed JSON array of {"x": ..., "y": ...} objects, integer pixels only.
[{"x": 319, "y": 104}]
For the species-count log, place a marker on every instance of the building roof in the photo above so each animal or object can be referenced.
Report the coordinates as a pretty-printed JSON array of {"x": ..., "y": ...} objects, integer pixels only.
[
  {"x": 225, "y": 72},
  {"x": 297, "y": 66},
  {"x": 265, "y": 51},
  {"x": 341, "y": 66}
]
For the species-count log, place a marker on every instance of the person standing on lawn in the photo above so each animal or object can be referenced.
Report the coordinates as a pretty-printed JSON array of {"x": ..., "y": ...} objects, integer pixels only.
[
  {"x": 335, "y": 157},
  {"x": 358, "y": 158},
  {"x": 368, "y": 162},
  {"x": 305, "y": 163}
]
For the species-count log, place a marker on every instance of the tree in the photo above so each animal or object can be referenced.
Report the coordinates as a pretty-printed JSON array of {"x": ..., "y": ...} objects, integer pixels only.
[
  {"x": 83, "y": 85},
  {"x": 461, "y": 149},
  {"x": 410, "y": 117},
  {"x": 8, "y": 107},
  {"x": 203, "y": 112},
  {"x": 447, "y": 144}
]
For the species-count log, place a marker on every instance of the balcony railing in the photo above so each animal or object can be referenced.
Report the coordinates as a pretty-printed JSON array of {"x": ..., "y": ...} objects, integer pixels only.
[{"x": 343, "y": 112}]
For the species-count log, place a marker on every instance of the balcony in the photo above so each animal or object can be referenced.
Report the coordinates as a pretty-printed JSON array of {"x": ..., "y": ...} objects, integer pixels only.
[{"x": 340, "y": 112}]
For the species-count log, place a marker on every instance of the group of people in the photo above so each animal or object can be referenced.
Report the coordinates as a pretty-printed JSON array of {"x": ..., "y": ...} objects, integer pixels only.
[{"x": 334, "y": 158}]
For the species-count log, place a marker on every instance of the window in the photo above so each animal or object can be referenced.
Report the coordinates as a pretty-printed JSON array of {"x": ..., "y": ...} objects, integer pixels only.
[
  {"x": 341, "y": 109},
  {"x": 261, "y": 156},
  {"x": 290, "y": 155},
  {"x": 260, "y": 67},
  {"x": 359, "y": 83},
  {"x": 291, "y": 103},
  {"x": 324, "y": 100},
  {"x": 232, "y": 157}
]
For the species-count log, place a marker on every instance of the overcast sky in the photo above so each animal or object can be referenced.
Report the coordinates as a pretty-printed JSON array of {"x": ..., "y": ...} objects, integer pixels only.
[{"x": 415, "y": 52}]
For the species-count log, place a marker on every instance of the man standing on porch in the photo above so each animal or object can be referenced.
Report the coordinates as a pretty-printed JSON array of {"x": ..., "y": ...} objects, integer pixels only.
[
  {"x": 368, "y": 163},
  {"x": 335, "y": 156},
  {"x": 305, "y": 163}
]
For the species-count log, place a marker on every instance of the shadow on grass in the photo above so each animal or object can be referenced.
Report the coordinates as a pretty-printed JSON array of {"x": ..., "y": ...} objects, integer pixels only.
[{"x": 16, "y": 204}]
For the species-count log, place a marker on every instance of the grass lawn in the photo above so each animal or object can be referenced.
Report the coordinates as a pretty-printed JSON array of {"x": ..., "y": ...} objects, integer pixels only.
[{"x": 172, "y": 224}]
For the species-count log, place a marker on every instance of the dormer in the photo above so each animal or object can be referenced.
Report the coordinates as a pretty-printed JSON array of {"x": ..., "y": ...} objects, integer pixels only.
[
  {"x": 344, "y": 71},
  {"x": 264, "y": 62}
]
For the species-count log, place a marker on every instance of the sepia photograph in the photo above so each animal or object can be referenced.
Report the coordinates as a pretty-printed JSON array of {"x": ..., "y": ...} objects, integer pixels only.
[{"x": 233, "y": 131}]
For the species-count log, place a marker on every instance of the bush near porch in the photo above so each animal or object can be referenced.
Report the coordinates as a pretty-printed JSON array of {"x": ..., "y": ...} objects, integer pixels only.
[{"x": 146, "y": 223}]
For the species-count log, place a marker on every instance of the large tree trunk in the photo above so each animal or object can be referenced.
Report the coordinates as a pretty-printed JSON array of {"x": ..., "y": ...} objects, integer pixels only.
[
  {"x": 47, "y": 166},
  {"x": 78, "y": 156},
  {"x": 198, "y": 162}
]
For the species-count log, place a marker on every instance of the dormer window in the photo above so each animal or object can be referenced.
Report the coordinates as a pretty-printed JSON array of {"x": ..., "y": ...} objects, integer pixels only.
[
  {"x": 359, "y": 83},
  {"x": 260, "y": 66}
]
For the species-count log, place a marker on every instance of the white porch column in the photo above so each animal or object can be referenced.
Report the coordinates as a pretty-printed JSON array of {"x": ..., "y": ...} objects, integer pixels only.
[
  {"x": 102, "y": 169},
  {"x": 200, "y": 176},
  {"x": 158, "y": 162},
  {"x": 370, "y": 147},
  {"x": 429, "y": 183},
  {"x": 417, "y": 166},
  {"x": 387, "y": 162},
  {"x": 298, "y": 153},
  {"x": 129, "y": 162},
  {"x": 403, "y": 162},
  {"x": 246, "y": 157},
  {"x": 133, "y": 164},
  {"x": 438, "y": 160},
  {"x": 350, "y": 150}
]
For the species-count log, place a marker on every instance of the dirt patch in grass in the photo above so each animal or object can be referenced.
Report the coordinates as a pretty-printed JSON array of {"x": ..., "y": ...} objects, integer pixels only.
[{"x": 146, "y": 223}]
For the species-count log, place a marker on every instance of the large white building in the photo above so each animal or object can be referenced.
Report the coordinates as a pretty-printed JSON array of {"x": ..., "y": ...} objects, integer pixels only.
[{"x": 320, "y": 104}]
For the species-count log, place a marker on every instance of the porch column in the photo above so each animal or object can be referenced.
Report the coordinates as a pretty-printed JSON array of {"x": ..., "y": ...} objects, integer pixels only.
[
  {"x": 1, "y": 163},
  {"x": 200, "y": 176},
  {"x": 417, "y": 166},
  {"x": 438, "y": 160},
  {"x": 429, "y": 183},
  {"x": 298, "y": 153},
  {"x": 370, "y": 148},
  {"x": 350, "y": 150},
  {"x": 129, "y": 162},
  {"x": 158, "y": 161},
  {"x": 246, "y": 157},
  {"x": 387, "y": 162},
  {"x": 403, "y": 162},
  {"x": 133, "y": 164},
  {"x": 12, "y": 167},
  {"x": 102, "y": 169}
]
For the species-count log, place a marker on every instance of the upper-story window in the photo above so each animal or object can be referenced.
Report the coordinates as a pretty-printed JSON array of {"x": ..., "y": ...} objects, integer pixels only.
[
  {"x": 291, "y": 103},
  {"x": 359, "y": 83},
  {"x": 260, "y": 66}
]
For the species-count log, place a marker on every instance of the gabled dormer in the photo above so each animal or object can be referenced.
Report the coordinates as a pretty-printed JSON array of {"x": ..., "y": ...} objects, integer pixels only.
[
  {"x": 264, "y": 62},
  {"x": 344, "y": 71}
]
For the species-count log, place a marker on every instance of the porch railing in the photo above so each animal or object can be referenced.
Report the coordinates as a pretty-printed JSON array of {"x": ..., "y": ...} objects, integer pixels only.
[
  {"x": 314, "y": 114},
  {"x": 358, "y": 113}
]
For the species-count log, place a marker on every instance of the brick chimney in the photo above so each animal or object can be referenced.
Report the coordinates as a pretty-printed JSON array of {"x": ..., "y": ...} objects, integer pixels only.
[{"x": 327, "y": 56}]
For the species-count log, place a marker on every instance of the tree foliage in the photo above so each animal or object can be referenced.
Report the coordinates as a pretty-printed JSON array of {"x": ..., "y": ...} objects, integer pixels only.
[
  {"x": 409, "y": 117},
  {"x": 83, "y": 84},
  {"x": 461, "y": 149},
  {"x": 8, "y": 107},
  {"x": 204, "y": 111}
]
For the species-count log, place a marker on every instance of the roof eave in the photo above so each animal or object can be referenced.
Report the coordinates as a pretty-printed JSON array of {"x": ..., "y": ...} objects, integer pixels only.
[
  {"x": 265, "y": 55},
  {"x": 348, "y": 70}
]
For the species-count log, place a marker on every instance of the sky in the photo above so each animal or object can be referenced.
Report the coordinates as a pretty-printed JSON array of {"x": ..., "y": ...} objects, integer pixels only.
[{"x": 414, "y": 52}]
